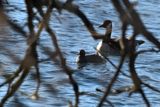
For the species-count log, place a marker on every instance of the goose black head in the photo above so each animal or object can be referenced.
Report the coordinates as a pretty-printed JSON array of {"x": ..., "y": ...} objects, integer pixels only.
[{"x": 106, "y": 24}]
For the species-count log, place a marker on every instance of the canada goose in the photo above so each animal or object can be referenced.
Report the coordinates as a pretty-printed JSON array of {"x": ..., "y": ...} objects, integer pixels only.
[{"x": 111, "y": 46}]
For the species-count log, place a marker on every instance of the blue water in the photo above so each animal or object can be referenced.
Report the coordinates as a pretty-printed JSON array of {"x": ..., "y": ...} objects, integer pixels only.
[{"x": 73, "y": 36}]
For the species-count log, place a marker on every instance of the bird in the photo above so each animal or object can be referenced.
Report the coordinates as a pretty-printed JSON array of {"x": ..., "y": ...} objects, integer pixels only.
[
  {"x": 112, "y": 46},
  {"x": 92, "y": 58}
]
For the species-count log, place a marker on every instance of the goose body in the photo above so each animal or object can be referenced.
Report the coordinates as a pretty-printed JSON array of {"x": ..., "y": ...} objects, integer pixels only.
[
  {"x": 93, "y": 58},
  {"x": 104, "y": 49},
  {"x": 112, "y": 46}
]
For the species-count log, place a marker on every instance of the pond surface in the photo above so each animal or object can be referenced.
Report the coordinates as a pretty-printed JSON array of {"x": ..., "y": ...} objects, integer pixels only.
[{"x": 73, "y": 36}]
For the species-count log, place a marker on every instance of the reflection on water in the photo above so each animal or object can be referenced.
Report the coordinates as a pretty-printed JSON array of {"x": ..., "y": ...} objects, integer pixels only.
[{"x": 55, "y": 89}]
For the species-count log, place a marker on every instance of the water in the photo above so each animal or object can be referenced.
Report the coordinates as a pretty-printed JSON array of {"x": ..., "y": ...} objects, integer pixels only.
[{"x": 73, "y": 36}]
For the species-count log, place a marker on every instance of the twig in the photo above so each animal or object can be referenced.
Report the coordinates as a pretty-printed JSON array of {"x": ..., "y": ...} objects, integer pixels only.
[
  {"x": 151, "y": 87},
  {"x": 111, "y": 82}
]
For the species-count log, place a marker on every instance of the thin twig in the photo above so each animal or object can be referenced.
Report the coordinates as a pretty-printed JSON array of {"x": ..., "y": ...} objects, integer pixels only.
[{"x": 114, "y": 78}]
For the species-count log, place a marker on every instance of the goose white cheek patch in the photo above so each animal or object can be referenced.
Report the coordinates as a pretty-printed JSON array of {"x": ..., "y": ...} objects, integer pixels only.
[{"x": 109, "y": 26}]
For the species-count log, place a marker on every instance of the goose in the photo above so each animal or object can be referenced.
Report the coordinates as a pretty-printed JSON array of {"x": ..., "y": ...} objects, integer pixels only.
[
  {"x": 111, "y": 46},
  {"x": 93, "y": 58}
]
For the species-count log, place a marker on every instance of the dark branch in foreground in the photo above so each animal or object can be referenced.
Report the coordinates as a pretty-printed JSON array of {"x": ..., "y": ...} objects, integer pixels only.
[{"x": 35, "y": 12}]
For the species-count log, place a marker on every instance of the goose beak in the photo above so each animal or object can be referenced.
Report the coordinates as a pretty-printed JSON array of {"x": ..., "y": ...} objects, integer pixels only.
[{"x": 101, "y": 25}]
